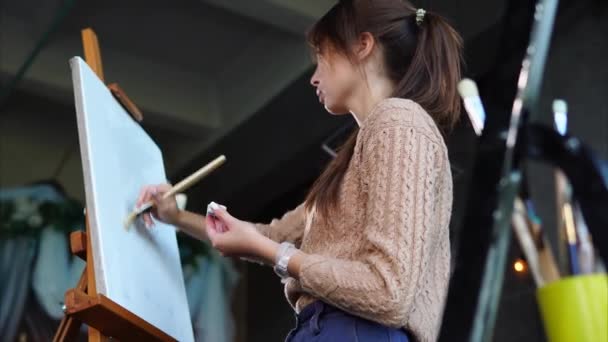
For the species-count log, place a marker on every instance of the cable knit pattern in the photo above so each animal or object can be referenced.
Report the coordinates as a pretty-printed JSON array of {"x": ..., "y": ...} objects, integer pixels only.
[{"x": 385, "y": 254}]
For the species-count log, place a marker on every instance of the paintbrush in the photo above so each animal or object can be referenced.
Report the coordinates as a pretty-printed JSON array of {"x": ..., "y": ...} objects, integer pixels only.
[
  {"x": 541, "y": 260},
  {"x": 526, "y": 241},
  {"x": 472, "y": 103},
  {"x": 179, "y": 187},
  {"x": 562, "y": 188},
  {"x": 565, "y": 200},
  {"x": 548, "y": 265}
]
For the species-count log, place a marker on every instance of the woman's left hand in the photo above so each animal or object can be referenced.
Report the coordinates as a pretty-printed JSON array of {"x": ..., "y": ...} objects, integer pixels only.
[{"x": 231, "y": 236}]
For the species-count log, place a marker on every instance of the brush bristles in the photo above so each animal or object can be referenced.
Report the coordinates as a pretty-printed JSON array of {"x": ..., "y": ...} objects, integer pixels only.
[
  {"x": 560, "y": 106},
  {"x": 560, "y": 116},
  {"x": 130, "y": 219},
  {"x": 467, "y": 88}
]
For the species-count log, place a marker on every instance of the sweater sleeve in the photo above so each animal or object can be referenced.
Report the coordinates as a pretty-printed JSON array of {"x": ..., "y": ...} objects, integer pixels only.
[
  {"x": 400, "y": 165},
  {"x": 290, "y": 227}
]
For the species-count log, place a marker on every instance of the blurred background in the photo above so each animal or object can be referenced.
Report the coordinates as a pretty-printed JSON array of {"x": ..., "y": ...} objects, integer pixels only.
[{"x": 232, "y": 77}]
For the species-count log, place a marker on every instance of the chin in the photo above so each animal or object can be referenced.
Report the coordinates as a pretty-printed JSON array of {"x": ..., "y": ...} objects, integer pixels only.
[{"x": 336, "y": 110}]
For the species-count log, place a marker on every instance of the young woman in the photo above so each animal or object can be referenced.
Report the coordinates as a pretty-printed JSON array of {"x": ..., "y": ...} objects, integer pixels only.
[{"x": 366, "y": 256}]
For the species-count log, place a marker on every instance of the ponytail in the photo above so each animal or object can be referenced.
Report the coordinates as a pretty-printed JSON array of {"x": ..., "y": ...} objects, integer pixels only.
[{"x": 433, "y": 74}]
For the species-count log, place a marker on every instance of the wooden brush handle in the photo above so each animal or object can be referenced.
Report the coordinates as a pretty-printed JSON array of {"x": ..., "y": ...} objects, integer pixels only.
[
  {"x": 195, "y": 177},
  {"x": 186, "y": 182}
]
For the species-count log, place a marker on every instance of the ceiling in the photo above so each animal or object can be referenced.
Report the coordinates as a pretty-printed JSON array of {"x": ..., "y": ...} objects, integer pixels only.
[{"x": 197, "y": 68}]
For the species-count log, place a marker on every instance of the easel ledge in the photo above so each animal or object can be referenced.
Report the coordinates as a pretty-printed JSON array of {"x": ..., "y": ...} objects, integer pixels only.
[{"x": 106, "y": 319}]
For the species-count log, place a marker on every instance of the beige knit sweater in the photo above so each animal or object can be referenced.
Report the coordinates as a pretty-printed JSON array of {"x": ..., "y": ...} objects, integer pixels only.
[{"x": 385, "y": 255}]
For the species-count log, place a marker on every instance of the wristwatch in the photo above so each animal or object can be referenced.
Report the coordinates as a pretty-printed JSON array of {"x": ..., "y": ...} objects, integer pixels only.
[{"x": 286, "y": 251}]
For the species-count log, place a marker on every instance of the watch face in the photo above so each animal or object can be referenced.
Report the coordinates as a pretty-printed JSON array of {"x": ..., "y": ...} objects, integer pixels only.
[
  {"x": 285, "y": 252},
  {"x": 280, "y": 272}
]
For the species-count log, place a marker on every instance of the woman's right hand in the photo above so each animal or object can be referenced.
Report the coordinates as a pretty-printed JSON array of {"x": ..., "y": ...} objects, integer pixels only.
[{"x": 164, "y": 210}]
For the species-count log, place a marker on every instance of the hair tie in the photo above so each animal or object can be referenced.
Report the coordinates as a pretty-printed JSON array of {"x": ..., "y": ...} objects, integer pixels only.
[{"x": 420, "y": 16}]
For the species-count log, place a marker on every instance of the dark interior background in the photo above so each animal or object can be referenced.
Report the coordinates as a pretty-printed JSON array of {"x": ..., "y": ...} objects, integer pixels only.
[{"x": 242, "y": 75}]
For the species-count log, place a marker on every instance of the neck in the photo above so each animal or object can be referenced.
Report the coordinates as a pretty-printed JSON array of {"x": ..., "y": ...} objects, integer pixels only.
[{"x": 368, "y": 96}]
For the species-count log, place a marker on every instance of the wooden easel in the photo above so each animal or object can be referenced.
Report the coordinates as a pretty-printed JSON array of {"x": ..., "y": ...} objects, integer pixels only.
[{"x": 106, "y": 319}]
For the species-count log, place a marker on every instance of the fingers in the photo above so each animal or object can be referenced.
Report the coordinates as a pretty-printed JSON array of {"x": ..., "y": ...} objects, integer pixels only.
[
  {"x": 224, "y": 216},
  {"x": 221, "y": 223},
  {"x": 144, "y": 195},
  {"x": 215, "y": 224},
  {"x": 211, "y": 229},
  {"x": 156, "y": 197},
  {"x": 209, "y": 223},
  {"x": 162, "y": 188},
  {"x": 158, "y": 191},
  {"x": 151, "y": 193},
  {"x": 215, "y": 229},
  {"x": 148, "y": 222},
  {"x": 216, "y": 238}
]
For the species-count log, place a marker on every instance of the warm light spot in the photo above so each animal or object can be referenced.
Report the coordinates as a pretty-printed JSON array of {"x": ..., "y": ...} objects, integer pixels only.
[{"x": 520, "y": 266}]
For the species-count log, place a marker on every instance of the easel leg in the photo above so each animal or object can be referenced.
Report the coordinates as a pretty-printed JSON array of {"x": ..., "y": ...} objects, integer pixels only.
[
  {"x": 91, "y": 51},
  {"x": 96, "y": 336},
  {"x": 70, "y": 326}
]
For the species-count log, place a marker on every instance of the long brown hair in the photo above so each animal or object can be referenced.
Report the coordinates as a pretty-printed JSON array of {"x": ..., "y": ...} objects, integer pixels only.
[{"x": 422, "y": 59}]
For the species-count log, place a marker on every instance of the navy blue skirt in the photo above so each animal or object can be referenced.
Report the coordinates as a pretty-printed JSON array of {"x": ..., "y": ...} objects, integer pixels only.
[{"x": 322, "y": 322}]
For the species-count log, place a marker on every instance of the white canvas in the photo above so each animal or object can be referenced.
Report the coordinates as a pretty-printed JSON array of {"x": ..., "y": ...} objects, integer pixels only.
[{"x": 139, "y": 269}]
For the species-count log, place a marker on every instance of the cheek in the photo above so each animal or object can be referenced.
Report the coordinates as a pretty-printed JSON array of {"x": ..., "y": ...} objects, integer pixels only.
[
  {"x": 343, "y": 81},
  {"x": 338, "y": 93}
]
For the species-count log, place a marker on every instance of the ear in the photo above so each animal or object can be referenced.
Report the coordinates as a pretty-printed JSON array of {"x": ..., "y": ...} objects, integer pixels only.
[{"x": 365, "y": 46}]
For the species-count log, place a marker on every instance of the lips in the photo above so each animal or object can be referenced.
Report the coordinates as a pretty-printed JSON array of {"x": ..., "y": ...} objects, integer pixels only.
[{"x": 320, "y": 95}]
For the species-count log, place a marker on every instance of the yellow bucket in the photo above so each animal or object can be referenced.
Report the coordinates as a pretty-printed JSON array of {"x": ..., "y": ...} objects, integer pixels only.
[{"x": 575, "y": 309}]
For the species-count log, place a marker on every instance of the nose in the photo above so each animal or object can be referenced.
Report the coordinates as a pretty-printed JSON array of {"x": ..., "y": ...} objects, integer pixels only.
[{"x": 314, "y": 80}]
